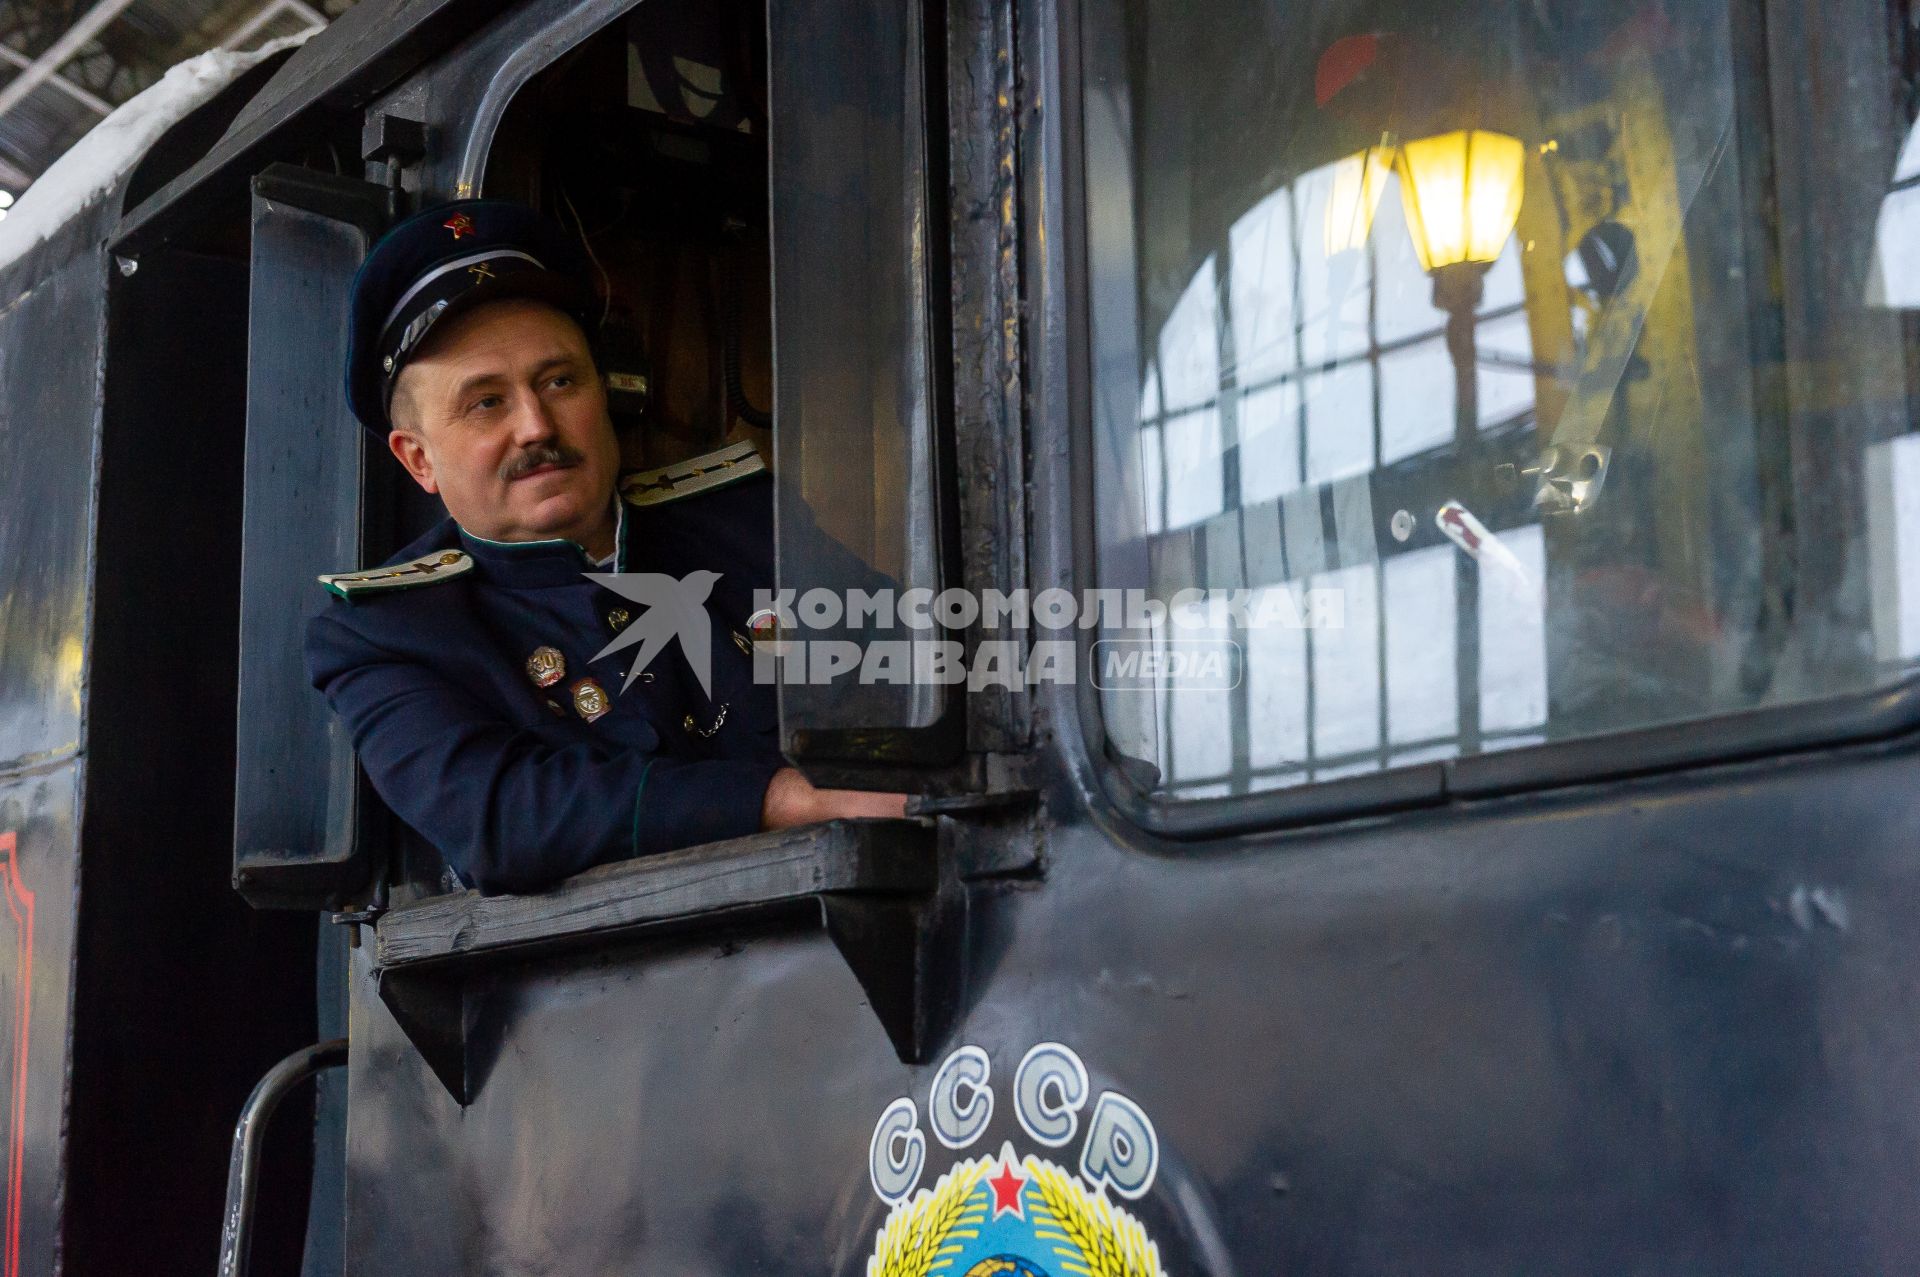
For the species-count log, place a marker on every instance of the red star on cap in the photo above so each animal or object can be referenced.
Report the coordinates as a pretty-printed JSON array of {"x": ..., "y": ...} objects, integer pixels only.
[
  {"x": 1006, "y": 1191},
  {"x": 460, "y": 224}
]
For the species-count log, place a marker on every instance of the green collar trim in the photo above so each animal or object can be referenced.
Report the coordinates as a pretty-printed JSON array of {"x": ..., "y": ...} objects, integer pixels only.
[{"x": 549, "y": 543}]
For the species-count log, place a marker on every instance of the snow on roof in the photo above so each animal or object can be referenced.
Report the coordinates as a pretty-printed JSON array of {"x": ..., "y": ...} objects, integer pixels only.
[{"x": 113, "y": 146}]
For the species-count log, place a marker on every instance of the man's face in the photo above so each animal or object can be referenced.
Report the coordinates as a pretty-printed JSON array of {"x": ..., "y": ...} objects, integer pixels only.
[{"x": 509, "y": 425}]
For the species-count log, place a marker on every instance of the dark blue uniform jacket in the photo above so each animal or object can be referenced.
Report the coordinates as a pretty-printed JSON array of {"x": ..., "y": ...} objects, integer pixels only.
[{"x": 511, "y": 781}]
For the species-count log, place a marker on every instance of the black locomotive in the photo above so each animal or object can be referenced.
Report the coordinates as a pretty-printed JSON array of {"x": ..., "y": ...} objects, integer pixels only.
[{"x": 1425, "y": 507}]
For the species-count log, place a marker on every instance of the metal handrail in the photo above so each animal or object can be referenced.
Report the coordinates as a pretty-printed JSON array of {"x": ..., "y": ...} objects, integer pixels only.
[{"x": 243, "y": 1168}]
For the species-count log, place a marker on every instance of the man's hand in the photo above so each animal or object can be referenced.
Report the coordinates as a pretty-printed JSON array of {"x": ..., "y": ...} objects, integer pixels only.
[{"x": 793, "y": 800}]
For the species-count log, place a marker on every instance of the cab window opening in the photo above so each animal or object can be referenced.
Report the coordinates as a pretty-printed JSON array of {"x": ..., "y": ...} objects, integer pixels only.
[{"x": 649, "y": 142}]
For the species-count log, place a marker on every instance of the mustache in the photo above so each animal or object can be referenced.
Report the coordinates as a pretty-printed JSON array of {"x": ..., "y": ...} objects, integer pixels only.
[{"x": 550, "y": 454}]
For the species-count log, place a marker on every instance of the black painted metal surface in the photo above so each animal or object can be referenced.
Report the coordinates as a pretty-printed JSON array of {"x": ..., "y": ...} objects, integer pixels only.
[
  {"x": 1641, "y": 1025},
  {"x": 50, "y": 340},
  {"x": 38, "y": 857},
  {"x": 1618, "y": 1031},
  {"x": 122, "y": 958},
  {"x": 182, "y": 994},
  {"x": 297, "y": 811}
]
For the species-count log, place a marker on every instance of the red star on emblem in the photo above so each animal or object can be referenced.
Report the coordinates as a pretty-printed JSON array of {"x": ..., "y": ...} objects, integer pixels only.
[
  {"x": 1006, "y": 1191},
  {"x": 460, "y": 224}
]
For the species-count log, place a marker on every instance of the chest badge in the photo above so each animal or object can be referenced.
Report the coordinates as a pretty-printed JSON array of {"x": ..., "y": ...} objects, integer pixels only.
[
  {"x": 546, "y": 666},
  {"x": 764, "y": 626},
  {"x": 590, "y": 699}
]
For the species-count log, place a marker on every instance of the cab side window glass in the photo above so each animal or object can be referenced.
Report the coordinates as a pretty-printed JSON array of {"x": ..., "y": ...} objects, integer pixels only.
[
  {"x": 856, "y": 342},
  {"x": 1478, "y": 375}
]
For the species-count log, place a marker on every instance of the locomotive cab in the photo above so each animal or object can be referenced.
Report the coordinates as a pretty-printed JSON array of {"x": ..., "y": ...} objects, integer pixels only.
[
  {"x": 1462, "y": 823},
  {"x": 646, "y": 134},
  {"x": 1017, "y": 325},
  {"x": 656, "y": 136}
]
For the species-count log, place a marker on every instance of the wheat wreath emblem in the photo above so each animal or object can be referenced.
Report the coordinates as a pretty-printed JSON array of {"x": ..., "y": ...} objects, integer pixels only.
[{"x": 1090, "y": 1237}]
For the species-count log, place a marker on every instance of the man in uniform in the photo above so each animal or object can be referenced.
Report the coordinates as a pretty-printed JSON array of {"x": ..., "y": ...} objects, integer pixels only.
[{"x": 470, "y": 668}]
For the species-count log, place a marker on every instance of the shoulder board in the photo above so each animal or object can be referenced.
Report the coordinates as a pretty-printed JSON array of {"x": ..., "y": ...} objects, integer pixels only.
[
  {"x": 703, "y": 473},
  {"x": 428, "y": 569}
]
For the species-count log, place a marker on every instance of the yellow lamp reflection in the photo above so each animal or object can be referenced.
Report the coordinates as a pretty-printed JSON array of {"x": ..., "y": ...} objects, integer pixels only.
[
  {"x": 1358, "y": 182},
  {"x": 1462, "y": 195}
]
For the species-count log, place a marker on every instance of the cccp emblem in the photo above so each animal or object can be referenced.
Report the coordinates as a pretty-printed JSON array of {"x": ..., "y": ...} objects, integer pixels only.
[{"x": 1011, "y": 1213}]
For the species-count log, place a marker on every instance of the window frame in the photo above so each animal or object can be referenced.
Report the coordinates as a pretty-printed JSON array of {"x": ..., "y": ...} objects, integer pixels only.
[
  {"x": 860, "y": 749},
  {"x": 1091, "y": 68}
]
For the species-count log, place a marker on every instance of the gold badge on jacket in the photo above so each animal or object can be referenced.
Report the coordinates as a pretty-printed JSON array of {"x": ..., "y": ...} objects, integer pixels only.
[
  {"x": 546, "y": 666},
  {"x": 590, "y": 699}
]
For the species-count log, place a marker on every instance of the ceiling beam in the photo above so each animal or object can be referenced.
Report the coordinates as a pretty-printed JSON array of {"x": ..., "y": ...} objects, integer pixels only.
[
  {"x": 13, "y": 176},
  {"x": 314, "y": 17},
  {"x": 60, "y": 52},
  {"x": 266, "y": 13},
  {"x": 85, "y": 97}
]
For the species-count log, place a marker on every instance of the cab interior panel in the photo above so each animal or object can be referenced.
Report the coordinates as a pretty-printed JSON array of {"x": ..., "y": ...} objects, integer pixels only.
[{"x": 649, "y": 142}]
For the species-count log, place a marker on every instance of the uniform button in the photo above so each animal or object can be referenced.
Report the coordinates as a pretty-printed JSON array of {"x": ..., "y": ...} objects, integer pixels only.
[{"x": 618, "y": 618}]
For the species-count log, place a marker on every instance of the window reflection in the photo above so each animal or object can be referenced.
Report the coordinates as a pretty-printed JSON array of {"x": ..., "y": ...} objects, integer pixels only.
[
  {"x": 1202, "y": 752},
  {"x": 1895, "y": 279},
  {"x": 1346, "y": 670},
  {"x": 1422, "y": 692},
  {"x": 1266, "y": 341},
  {"x": 1893, "y": 520},
  {"x": 1191, "y": 443},
  {"x": 1270, "y": 459},
  {"x": 1513, "y": 649},
  {"x": 1277, "y": 701},
  {"x": 1276, "y": 401},
  {"x": 1339, "y": 405},
  {"x": 1676, "y": 442}
]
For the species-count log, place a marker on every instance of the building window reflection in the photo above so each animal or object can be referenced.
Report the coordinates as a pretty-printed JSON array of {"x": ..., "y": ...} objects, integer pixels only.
[
  {"x": 1285, "y": 384},
  {"x": 1894, "y": 281},
  {"x": 1637, "y": 451}
]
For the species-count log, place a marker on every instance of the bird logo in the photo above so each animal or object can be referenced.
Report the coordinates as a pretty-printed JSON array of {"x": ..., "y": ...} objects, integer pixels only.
[{"x": 676, "y": 607}]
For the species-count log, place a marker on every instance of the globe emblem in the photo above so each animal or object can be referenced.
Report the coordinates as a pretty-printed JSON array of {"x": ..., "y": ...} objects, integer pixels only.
[{"x": 1006, "y": 1266}]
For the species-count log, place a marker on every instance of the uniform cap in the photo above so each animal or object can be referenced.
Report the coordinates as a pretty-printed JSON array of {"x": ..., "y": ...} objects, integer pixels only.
[{"x": 441, "y": 262}]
